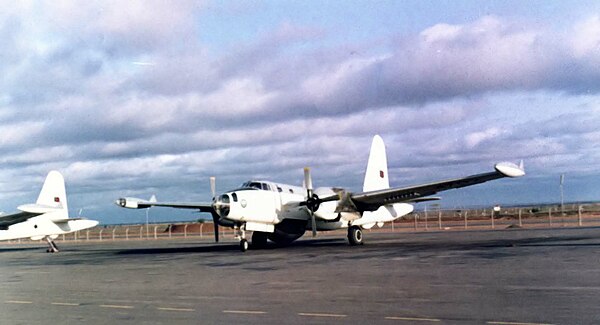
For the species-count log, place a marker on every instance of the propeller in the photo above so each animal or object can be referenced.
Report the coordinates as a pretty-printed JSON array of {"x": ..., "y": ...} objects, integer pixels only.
[
  {"x": 215, "y": 216},
  {"x": 213, "y": 186},
  {"x": 312, "y": 200}
]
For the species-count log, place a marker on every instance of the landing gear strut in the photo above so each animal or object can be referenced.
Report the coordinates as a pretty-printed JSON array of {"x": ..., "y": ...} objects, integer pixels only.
[
  {"x": 240, "y": 232},
  {"x": 355, "y": 236},
  {"x": 52, "y": 248}
]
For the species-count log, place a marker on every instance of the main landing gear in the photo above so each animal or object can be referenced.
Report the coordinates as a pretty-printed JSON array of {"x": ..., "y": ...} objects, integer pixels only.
[
  {"x": 355, "y": 236},
  {"x": 52, "y": 248}
]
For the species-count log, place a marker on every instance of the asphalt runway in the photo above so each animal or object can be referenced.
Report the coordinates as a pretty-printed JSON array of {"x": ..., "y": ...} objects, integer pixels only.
[{"x": 471, "y": 277}]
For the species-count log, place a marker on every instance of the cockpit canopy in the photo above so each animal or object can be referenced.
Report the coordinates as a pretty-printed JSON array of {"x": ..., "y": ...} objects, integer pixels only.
[{"x": 257, "y": 185}]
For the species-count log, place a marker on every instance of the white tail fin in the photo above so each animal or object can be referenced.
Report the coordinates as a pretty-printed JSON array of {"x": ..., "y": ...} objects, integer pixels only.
[
  {"x": 53, "y": 192},
  {"x": 376, "y": 175}
]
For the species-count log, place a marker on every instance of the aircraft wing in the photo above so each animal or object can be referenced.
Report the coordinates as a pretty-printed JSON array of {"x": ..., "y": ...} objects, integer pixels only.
[
  {"x": 11, "y": 219},
  {"x": 202, "y": 206},
  {"x": 372, "y": 200},
  {"x": 134, "y": 203}
]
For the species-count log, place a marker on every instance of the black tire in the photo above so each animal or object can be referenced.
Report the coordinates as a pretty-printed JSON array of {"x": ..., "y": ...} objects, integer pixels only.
[
  {"x": 259, "y": 239},
  {"x": 355, "y": 236},
  {"x": 243, "y": 245}
]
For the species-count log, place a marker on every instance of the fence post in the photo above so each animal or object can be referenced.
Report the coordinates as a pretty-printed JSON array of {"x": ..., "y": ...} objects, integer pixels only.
[
  {"x": 141, "y": 232},
  {"x": 440, "y": 219},
  {"x": 550, "y": 216},
  {"x": 520, "y": 220},
  {"x": 87, "y": 235},
  {"x": 100, "y": 234},
  {"x": 426, "y": 227},
  {"x": 155, "y": 232},
  {"x": 201, "y": 225},
  {"x": 466, "y": 224},
  {"x": 416, "y": 216},
  {"x": 113, "y": 233},
  {"x": 185, "y": 230},
  {"x": 126, "y": 233},
  {"x": 579, "y": 215},
  {"x": 493, "y": 218},
  {"x": 170, "y": 227}
]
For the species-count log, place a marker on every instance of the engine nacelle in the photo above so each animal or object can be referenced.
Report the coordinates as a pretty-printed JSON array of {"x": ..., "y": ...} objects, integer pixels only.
[
  {"x": 129, "y": 202},
  {"x": 326, "y": 210}
]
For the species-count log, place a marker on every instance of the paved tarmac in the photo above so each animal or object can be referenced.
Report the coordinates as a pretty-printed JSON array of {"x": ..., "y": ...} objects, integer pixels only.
[{"x": 471, "y": 277}]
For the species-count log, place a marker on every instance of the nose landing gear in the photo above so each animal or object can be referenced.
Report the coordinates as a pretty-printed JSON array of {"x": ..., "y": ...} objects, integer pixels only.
[
  {"x": 244, "y": 245},
  {"x": 240, "y": 233}
]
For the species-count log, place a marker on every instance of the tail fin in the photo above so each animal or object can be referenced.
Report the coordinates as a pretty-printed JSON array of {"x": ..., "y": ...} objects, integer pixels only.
[
  {"x": 53, "y": 192},
  {"x": 376, "y": 175}
]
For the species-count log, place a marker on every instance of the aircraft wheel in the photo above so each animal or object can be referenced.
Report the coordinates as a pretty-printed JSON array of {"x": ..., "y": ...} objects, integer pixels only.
[
  {"x": 243, "y": 245},
  {"x": 355, "y": 236}
]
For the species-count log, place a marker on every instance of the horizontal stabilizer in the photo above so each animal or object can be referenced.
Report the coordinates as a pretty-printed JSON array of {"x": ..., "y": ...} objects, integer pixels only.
[
  {"x": 67, "y": 220},
  {"x": 75, "y": 224},
  {"x": 39, "y": 208}
]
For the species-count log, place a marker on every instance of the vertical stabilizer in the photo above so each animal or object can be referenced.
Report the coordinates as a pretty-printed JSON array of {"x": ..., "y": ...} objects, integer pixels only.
[
  {"x": 376, "y": 175},
  {"x": 53, "y": 192}
]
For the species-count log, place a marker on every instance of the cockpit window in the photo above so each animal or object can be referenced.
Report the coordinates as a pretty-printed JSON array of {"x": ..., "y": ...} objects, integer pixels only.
[
  {"x": 256, "y": 185},
  {"x": 234, "y": 196}
]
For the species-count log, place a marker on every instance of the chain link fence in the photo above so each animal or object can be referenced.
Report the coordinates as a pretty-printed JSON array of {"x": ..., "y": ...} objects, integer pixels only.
[{"x": 430, "y": 219}]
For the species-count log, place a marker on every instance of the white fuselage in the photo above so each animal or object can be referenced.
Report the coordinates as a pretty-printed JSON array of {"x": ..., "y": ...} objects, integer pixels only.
[{"x": 270, "y": 203}]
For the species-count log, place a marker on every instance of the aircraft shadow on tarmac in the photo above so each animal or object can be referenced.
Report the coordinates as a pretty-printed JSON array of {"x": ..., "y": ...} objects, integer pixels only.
[
  {"x": 16, "y": 249},
  {"x": 229, "y": 247},
  {"x": 403, "y": 246}
]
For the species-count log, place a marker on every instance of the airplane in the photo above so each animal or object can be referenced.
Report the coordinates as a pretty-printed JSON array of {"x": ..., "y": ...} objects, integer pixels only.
[
  {"x": 283, "y": 213},
  {"x": 47, "y": 218}
]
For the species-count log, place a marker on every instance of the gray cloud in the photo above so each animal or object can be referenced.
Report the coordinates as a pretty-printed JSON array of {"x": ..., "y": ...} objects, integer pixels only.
[{"x": 128, "y": 103}]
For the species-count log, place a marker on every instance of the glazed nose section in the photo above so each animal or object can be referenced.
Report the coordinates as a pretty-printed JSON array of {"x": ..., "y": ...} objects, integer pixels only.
[{"x": 222, "y": 205}]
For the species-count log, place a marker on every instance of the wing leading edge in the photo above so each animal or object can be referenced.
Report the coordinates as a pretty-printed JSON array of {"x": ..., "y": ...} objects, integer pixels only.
[{"x": 372, "y": 200}]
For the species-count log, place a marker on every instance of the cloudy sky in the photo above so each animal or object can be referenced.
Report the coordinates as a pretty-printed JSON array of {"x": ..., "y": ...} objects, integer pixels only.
[{"x": 134, "y": 98}]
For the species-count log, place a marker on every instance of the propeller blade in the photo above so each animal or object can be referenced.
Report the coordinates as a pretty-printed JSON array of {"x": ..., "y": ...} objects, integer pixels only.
[
  {"x": 309, "y": 196},
  {"x": 307, "y": 179},
  {"x": 213, "y": 185},
  {"x": 215, "y": 217},
  {"x": 314, "y": 224}
]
